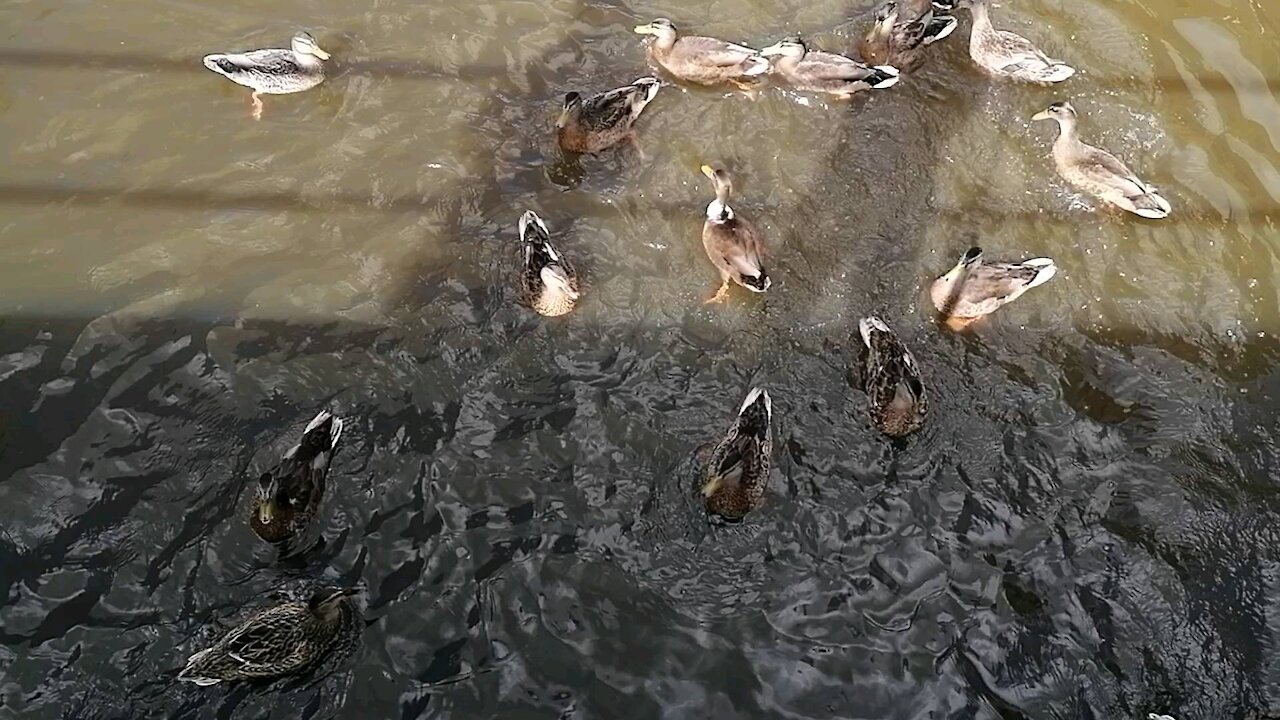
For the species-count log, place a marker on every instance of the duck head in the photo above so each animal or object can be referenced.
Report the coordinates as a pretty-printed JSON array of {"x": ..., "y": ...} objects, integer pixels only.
[{"x": 304, "y": 44}]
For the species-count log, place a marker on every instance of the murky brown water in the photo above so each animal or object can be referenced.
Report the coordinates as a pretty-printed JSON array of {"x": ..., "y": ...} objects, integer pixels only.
[{"x": 1086, "y": 529}]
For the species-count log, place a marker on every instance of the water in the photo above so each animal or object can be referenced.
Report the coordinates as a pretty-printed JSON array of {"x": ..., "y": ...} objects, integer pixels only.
[{"x": 1084, "y": 529}]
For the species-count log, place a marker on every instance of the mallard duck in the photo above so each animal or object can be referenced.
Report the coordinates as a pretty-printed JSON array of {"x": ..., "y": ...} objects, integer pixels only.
[
  {"x": 1097, "y": 171},
  {"x": 902, "y": 29},
  {"x": 1006, "y": 54},
  {"x": 734, "y": 245},
  {"x": 277, "y": 641},
  {"x": 548, "y": 282},
  {"x": 703, "y": 60},
  {"x": 273, "y": 71},
  {"x": 289, "y": 494},
  {"x": 734, "y": 474},
  {"x": 602, "y": 121},
  {"x": 896, "y": 399},
  {"x": 804, "y": 69},
  {"x": 973, "y": 288}
]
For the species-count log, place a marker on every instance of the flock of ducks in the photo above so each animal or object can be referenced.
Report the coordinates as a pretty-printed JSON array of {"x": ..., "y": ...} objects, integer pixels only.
[{"x": 734, "y": 470}]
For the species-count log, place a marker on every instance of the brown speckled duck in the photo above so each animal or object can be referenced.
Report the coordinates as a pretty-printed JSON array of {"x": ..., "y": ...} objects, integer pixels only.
[
  {"x": 277, "y": 641},
  {"x": 601, "y": 121},
  {"x": 896, "y": 399},
  {"x": 902, "y": 31},
  {"x": 288, "y": 495},
  {"x": 736, "y": 470},
  {"x": 548, "y": 282}
]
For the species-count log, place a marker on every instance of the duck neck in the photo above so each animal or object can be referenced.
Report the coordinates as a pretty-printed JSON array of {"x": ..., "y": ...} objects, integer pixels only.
[
  {"x": 1067, "y": 134},
  {"x": 787, "y": 64},
  {"x": 719, "y": 211},
  {"x": 663, "y": 42},
  {"x": 981, "y": 18}
]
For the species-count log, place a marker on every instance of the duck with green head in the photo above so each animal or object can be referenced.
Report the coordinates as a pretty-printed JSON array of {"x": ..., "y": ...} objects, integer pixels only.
[{"x": 288, "y": 495}]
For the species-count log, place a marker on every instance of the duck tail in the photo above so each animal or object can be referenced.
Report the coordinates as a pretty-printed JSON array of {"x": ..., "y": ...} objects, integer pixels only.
[
  {"x": 649, "y": 86},
  {"x": 220, "y": 64},
  {"x": 1045, "y": 270},
  {"x": 756, "y": 65},
  {"x": 1152, "y": 206},
  {"x": 756, "y": 414},
  {"x": 320, "y": 438},
  {"x": 939, "y": 27},
  {"x": 188, "y": 673},
  {"x": 883, "y": 76},
  {"x": 757, "y": 283},
  {"x": 1057, "y": 73},
  {"x": 869, "y": 325}
]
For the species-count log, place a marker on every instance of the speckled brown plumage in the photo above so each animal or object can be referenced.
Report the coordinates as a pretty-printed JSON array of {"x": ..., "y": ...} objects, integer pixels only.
[
  {"x": 289, "y": 494},
  {"x": 733, "y": 478}
]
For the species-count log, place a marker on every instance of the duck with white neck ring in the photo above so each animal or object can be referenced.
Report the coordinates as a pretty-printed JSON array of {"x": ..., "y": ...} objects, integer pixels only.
[
  {"x": 734, "y": 245},
  {"x": 1097, "y": 171},
  {"x": 1009, "y": 55}
]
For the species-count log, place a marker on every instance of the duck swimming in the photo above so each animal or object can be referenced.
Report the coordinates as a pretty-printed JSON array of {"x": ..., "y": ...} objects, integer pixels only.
[
  {"x": 273, "y": 71},
  {"x": 896, "y": 399},
  {"x": 902, "y": 30},
  {"x": 734, "y": 245},
  {"x": 602, "y": 121},
  {"x": 702, "y": 60},
  {"x": 1005, "y": 54},
  {"x": 1097, "y": 171},
  {"x": 736, "y": 469},
  {"x": 548, "y": 282},
  {"x": 973, "y": 289},
  {"x": 838, "y": 75},
  {"x": 280, "y": 640},
  {"x": 288, "y": 495}
]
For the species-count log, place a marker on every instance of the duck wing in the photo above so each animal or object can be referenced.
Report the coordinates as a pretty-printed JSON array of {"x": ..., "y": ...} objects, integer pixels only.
[
  {"x": 266, "y": 62},
  {"x": 1102, "y": 167},
  {"x": 716, "y": 52},
  {"x": 608, "y": 109},
  {"x": 829, "y": 66}
]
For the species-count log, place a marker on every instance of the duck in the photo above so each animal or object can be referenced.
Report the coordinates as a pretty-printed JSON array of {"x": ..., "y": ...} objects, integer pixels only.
[
  {"x": 734, "y": 472},
  {"x": 591, "y": 125},
  {"x": 734, "y": 245},
  {"x": 1097, "y": 171},
  {"x": 896, "y": 399},
  {"x": 548, "y": 283},
  {"x": 703, "y": 60},
  {"x": 1009, "y": 55},
  {"x": 288, "y": 495},
  {"x": 808, "y": 70},
  {"x": 974, "y": 289},
  {"x": 276, "y": 641},
  {"x": 273, "y": 71},
  {"x": 902, "y": 30}
]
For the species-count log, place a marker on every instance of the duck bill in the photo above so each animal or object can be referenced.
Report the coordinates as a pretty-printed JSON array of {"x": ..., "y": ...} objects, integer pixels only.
[
  {"x": 563, "y": 119},
  {"x": 266, "y": 512},
  {"x": 320, "y": 53},
  {"x": 646, "y": 29},
  {"x": 709, "y": 171},
  {"x": 772, "y": 50},
  {"x": 1042, "y": 115}
]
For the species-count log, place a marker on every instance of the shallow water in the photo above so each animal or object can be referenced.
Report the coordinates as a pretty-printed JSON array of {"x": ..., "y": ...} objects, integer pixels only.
[{"x": 1086, "y": 528}]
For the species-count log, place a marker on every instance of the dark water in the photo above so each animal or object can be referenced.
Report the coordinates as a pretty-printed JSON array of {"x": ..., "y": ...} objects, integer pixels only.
[{"x": 1086, "y": 528}]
